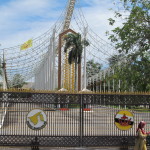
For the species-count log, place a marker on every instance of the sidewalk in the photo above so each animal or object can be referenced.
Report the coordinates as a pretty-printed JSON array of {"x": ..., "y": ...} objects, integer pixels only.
[{"x": 63, "y": 148}]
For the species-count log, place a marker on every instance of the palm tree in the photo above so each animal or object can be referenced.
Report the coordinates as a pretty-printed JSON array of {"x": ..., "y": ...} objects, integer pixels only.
[{"x": 74, "y": 43}]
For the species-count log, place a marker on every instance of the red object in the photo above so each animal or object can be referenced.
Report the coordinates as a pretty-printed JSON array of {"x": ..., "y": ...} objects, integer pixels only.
[
  {"x": 87, "y": 109},
  {"x": 124, "y": 121},
  {"x": 64, "y": 109},
  {"x": 141, "y": 126},
  {"x": 124, "y": 117}
]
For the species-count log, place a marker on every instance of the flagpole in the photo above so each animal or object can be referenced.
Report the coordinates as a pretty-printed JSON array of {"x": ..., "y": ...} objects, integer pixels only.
[
  {"x": 4, "y": 72},
  {"x": 5, "y": 96},
  {"x": 53, "y": 54},
  {"x": 85, "y": 34}
]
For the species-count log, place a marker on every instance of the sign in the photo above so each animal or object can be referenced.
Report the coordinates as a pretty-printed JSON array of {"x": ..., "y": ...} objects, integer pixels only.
[
  {"x": 124, "y": 120},
  {"x": 36, "y": 119}
]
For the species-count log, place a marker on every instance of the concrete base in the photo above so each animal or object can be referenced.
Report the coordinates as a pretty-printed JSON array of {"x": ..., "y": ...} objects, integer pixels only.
[
  {"x": 86, "y": 90},
  {"x": 63, "y": 90}
]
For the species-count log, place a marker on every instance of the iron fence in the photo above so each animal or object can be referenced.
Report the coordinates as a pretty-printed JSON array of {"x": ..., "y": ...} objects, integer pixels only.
[{"x": 72, "y": 119}]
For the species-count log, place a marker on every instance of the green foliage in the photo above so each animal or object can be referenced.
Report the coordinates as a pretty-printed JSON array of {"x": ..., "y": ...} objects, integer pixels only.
[
  {"x": 92, "y": 68},
  {"x": 111, "y": 21},
  {"x": 17, "y": 81},
  {"x": 75, "y": 45},
  {"x": 134, "y": 36},
  {"x": 133, "y": 74},
  {"x": 132, "y": 40},
  {"x": 114, "y": 59},
  {"x": 73, "y": 106}
]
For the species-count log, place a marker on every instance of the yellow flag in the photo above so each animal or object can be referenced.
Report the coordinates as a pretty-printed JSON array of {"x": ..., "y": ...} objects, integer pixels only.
[{"x": 26, "y": 45}]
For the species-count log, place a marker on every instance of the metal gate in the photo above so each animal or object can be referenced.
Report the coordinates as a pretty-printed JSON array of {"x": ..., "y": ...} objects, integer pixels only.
[{"x": 72, "y": 120}]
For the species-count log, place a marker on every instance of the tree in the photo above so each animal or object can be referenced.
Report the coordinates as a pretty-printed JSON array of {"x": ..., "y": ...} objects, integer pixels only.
[
  {"x": 17, "y": 81},
  {"x": 140, "y": 70},
  {"x": 132, "y": 40},
  {"x": 74, "y": 44},
  {"x": 115, "y": 59},
  {"x": 92, "y": 67},
  {"x": 133, "y": 37},
  {"x": 133, "y": 75}
]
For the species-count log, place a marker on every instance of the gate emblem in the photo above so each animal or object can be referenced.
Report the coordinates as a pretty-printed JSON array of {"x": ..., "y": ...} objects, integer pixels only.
[
  {"x": 36, "y": 119},
  {"x": 124, "y": 120}
]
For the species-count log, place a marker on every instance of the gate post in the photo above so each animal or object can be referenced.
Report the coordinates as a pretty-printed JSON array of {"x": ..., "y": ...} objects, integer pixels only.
[
  {"x": 124, "y": 143},
  {"x": 35, "y": 144},
  {"x": 81, "y": 121}
]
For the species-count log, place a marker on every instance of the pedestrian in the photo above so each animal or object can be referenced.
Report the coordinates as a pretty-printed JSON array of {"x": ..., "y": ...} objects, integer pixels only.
[{"x": 140, "y": 143}]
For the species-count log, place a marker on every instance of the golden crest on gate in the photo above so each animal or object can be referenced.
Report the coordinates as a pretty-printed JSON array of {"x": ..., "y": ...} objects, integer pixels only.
[
  {"x": 124, "y": 120},
  {"x": 36, "y": 119}
]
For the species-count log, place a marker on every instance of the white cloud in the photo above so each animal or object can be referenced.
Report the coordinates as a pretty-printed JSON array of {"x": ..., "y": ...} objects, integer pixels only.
[
  {"x": 97, "y": 13},
  {"x": 97, "y": 16},
  {"x": 21, "y": 20},
  {"x": 19, "y": 8},
  {"x": 24, "y": 19}
]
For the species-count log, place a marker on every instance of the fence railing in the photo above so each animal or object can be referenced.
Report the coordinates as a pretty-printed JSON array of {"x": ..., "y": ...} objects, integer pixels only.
[{"x": 71, "y": 119}]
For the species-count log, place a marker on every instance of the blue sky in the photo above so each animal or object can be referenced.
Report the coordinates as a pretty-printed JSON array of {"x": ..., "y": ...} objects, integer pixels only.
[
  {"x": 21, "y": 20},
  {"x": 24, "y": 19}
]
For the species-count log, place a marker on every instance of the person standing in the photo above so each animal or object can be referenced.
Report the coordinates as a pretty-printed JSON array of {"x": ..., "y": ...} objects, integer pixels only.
[{"x": 140, "y": 143}]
